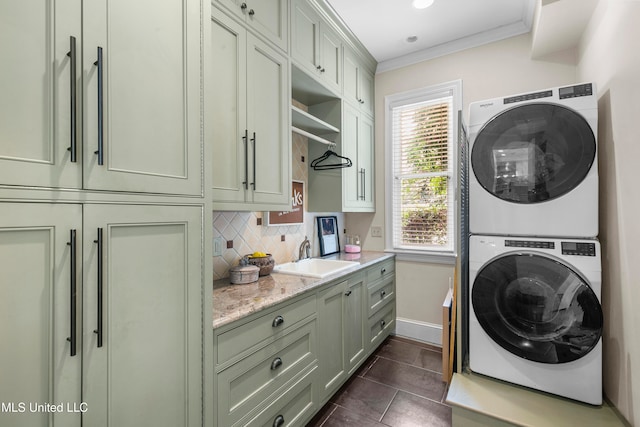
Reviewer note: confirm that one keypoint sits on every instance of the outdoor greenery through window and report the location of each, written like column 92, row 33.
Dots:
column 422, row 172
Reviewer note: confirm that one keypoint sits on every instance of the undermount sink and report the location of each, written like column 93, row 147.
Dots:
column 314, row 267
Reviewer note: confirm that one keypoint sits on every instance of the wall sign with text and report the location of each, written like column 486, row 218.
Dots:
column 296, row 215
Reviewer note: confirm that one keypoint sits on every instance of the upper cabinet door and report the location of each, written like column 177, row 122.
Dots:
column 38, row 93
column 268, row 118
column 269, row 18
column 330, row 58
column 305, row 38
column 228, row 92
column 142, row 96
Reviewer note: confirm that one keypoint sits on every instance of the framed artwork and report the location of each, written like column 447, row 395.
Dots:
column 328, row 235
column 296, row 215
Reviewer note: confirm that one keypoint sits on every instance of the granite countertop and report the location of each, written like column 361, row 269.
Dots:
column 233, row 302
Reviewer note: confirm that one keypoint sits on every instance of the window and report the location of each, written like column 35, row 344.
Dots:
column 421, row 167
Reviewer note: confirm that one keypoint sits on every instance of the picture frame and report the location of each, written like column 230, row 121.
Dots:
column 296, row 215
column 328, row 235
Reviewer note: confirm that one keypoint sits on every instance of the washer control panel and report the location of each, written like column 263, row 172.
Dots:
column 529, row 244
column 575, row 91
column 528, row 96
column 576, row 248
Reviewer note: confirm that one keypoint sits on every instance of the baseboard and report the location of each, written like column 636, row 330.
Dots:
column 419, row 331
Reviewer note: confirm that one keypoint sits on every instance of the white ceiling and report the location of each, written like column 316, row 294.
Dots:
column 447, row 26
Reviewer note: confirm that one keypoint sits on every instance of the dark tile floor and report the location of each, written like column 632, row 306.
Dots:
column 400, row 385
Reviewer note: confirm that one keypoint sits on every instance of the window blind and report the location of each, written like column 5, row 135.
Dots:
column 423, row 209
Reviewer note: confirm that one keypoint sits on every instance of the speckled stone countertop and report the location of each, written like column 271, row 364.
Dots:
column 233, row 302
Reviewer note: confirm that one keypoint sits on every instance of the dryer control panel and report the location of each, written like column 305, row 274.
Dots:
column 576, row 248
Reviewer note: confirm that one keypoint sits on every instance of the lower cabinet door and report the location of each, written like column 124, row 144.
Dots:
column 331, row 337
column 40, row 367
column 142, row 316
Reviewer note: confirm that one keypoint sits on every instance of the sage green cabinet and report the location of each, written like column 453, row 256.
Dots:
column 103, row 312
column 358, row 144
column 267, row 18
column 250, row 121
column 315, row 46
column 341, row 322
column 358, row 86
column 116, row 77
column 36, row 290
column 261, row 359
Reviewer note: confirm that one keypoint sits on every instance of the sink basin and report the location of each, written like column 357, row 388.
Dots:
column 314, row 267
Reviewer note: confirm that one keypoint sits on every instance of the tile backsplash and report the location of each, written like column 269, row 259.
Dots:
column 280, row 241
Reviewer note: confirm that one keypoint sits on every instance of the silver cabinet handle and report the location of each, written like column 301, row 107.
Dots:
column 279, row 320
column 72, row 83
column 73, row 293
column 382, row 294
column 277, row 362
column 100, row 150
column 382, row 323
column 279, row 421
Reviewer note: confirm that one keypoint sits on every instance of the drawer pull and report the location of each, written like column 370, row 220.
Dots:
column 384, row 270
column 279, row 320
column 383, row 293
column 279, row 421
column 382, row 323
column 277, row 362
column 347, row 293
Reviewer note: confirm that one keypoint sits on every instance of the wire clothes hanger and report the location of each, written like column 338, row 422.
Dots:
column 317, row 164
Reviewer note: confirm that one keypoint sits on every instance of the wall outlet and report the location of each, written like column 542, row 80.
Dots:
column 376, row 231
column 217, row 246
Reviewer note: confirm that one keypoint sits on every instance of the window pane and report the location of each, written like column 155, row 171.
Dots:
column 424, row 211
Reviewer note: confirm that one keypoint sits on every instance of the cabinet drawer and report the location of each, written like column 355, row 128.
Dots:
column 379, row 293
column 380, row 270
column 382, row 323
column 247, row 383
column 269, row 326
column 293, row 408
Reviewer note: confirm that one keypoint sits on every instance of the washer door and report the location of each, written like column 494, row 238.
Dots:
column 533, row 153
column 537, row 308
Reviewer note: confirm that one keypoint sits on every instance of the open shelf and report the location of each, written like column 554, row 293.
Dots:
column 305, row 121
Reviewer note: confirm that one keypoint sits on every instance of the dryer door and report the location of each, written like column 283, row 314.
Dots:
column 533, row 153
column 537, row 308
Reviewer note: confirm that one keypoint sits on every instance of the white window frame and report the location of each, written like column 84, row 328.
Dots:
column 426, row 254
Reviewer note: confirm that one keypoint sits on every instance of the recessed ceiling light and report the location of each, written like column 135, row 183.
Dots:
column 412, row 39
column 422, row 4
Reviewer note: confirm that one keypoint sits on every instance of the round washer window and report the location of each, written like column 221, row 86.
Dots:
column 537, row 308
column 533, row 153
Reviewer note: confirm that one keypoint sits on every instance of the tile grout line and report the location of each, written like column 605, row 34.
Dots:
column 388, row 406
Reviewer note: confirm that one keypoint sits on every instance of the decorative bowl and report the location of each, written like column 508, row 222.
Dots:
column 265, row 263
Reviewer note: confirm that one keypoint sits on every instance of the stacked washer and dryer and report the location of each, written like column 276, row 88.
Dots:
column 535, row 317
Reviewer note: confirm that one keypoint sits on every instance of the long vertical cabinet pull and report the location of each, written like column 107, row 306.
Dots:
column 253, row 140
column 73, row 294
column 72, row 84
column 245, row 139
column 362, row 184
column 99, row 319
column 100, row 150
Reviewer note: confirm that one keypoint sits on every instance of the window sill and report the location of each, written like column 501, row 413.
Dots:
column 431, row 257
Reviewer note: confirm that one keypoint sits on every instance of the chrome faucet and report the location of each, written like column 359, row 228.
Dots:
column 305, row 249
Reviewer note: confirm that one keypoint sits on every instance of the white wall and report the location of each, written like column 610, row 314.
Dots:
column 501, row 68
column 609, row 57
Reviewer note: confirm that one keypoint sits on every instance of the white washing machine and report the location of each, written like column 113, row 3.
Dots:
column 534, row 162
column 535, row 317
